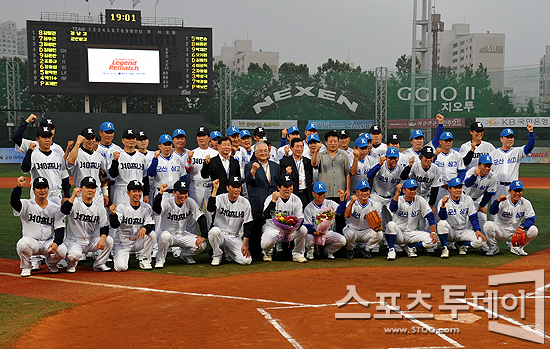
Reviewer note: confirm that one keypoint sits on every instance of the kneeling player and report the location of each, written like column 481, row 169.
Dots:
column 286, row 202
column 43, row 226
column 232, row 211
column 455, row 210
column 509, row 212
column 357, row 228
column 407, row 210
column 87, row 226
column 173, row 214
column 134, row 226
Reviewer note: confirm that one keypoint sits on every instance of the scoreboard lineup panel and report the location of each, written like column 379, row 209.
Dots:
column 59, row 64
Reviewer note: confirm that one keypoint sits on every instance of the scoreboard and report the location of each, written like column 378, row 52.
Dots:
column 119, row 57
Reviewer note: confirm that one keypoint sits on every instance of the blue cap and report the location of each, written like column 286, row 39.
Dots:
column 446, row 135
column 313, row 137
column 455, row 182
column 362, row 185
column 416, row 134
column 293, row 129
column 107, row 126
column 179, row 132
column 507, row 132
column 244, row 133
column 311, row 126
column 361, row 142
column 516, row 185
column 232, row 130
column 410, row 183
column 215, row 134
column 392, row 152
column 319, row 187
column 165, row 138
column 485, row 159
column 367, row 136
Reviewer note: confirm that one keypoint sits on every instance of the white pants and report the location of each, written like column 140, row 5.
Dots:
column 333, row 241
column 443, row 227
column 184, row 240
column 76, row 247
column 200, row 194
column 371, row 237
column 409, row 237
column 122, row 248
column 495, row 233
column 231, row 243
column 272, row 235
column 28, row 246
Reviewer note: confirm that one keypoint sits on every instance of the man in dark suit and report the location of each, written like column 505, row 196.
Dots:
column 261, row 175
column 222, row 165
column 300, row 170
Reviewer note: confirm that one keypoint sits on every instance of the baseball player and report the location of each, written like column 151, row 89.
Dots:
column 314, row 145
column 333, row 240
column 87, row 226
column 134, row 226
column 22, row 144
column 232, row 212
column 234, row 135
column 378, row 148
column 283, row 151
column 244, row 154
column 142, row 145
column 214, row 136
column 106, row 146
column 481, row 185
column 179, row 138
column 507, row 158
column 43, row 226
column 417, row 139
column 125, row 166
column 407, row 210
column 455, row 211
column 393, row 141
column 360, row 161
column 343, row 144
column 165, row 167
column 172, row 227
column 311, row 129
column 449, row 161
column 511, row 212
column 472, row 150
column 283, row 201
column 357, row 229
column 426, row 173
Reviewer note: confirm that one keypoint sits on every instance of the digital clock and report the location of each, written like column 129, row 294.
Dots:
column 126, row 17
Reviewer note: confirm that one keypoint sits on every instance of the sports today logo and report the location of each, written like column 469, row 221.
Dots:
column 505, row 307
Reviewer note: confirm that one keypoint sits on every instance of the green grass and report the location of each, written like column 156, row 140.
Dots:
column 11, row 170
column 534, row 170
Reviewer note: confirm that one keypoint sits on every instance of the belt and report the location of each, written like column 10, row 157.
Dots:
column 54, row 193
column 504, row 183
column 206, row 184
column 228, row 234
column 81, row 239
column 126, row 238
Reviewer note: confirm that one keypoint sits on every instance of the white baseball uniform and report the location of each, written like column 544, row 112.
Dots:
column 451, row 165
column 485, row 148
column 334, row 241
column 426, row 179
column 506, row 167
column 478, row 187
column 384, row 181
column 25, row 143
column 52, row 167
column 200, row 188
column 405, row 221
column 165, row 170
column 358, row 229
column 131, row 166
column 378, row 151
column 455, row 219
column 363, row 166
column 88, row 164
column 107, row 151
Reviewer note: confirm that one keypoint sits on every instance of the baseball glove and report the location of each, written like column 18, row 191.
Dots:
column 374, row 220
column 519, row 238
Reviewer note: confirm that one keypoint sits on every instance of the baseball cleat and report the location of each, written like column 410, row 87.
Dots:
column 145, row 264
column 492, row 251
column 484, row 248
column 102, row 267
column 445, row 252
column 517, row 250
column 462, row 249
column 329, row 255
column 411, row 251
column 54, row 270
column 376, row 248
column 300, row 259
column 36, row 265
column 310, row 251
column 71, row 269
column 62, row 264
column 26, row 272
column 159, row 265
column 391, row 254
column 366, row 254
column 267, row 258
column 216, row 261
column 349, row 254
column 188, row 259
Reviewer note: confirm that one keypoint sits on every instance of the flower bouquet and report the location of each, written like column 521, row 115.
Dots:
column 324, row 222
column 287, row 223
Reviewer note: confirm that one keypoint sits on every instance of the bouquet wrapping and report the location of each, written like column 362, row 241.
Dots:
column 287, row 223
column 324, row 221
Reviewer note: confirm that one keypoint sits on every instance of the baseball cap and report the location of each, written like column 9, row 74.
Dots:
column 46, row 122
column 485, row 159
column 313, row 137
column 88, row 182
column 394, row 138
column 40, row 182
column 245, row 133
column 375, row 129
column 181, row 186
column 259, row 131
column 87, row 132
column 129, row 133
column 507, row 132
column 215, row 134
column 476, row 126
column 43, row 131
column 165, row 138
column 232, row 130
column 135, row 184
column 366, row 136
column 410, row 183
column 203, row 130
column 361, row 142
column 446, row 135
column 234, row 180
column 311, row 126
column 266, row 140
column 107, row 126
column 344, row 134
column 142, row 134
column 427, row 151
column 285, row 180
column 293, row 129
column 455, row 182
column 516, row 185
column 179, row 132
column 392, row 152
column 362, row 185
column 319, row 187
column 416, row 134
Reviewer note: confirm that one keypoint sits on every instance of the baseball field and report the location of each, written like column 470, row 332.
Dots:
column 359, row 303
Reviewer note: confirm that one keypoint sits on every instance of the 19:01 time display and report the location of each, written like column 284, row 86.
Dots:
column 123, row 17
column 132, row 18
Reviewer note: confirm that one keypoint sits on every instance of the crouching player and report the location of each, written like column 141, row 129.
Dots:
column 509, row 212
column 357, row 228
column 43, row 226
column 286, row 202
column 455, row 210
column 134, row 226
column 173, row 214
column 232, row 212
column 407, row 210
column 87, row 226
